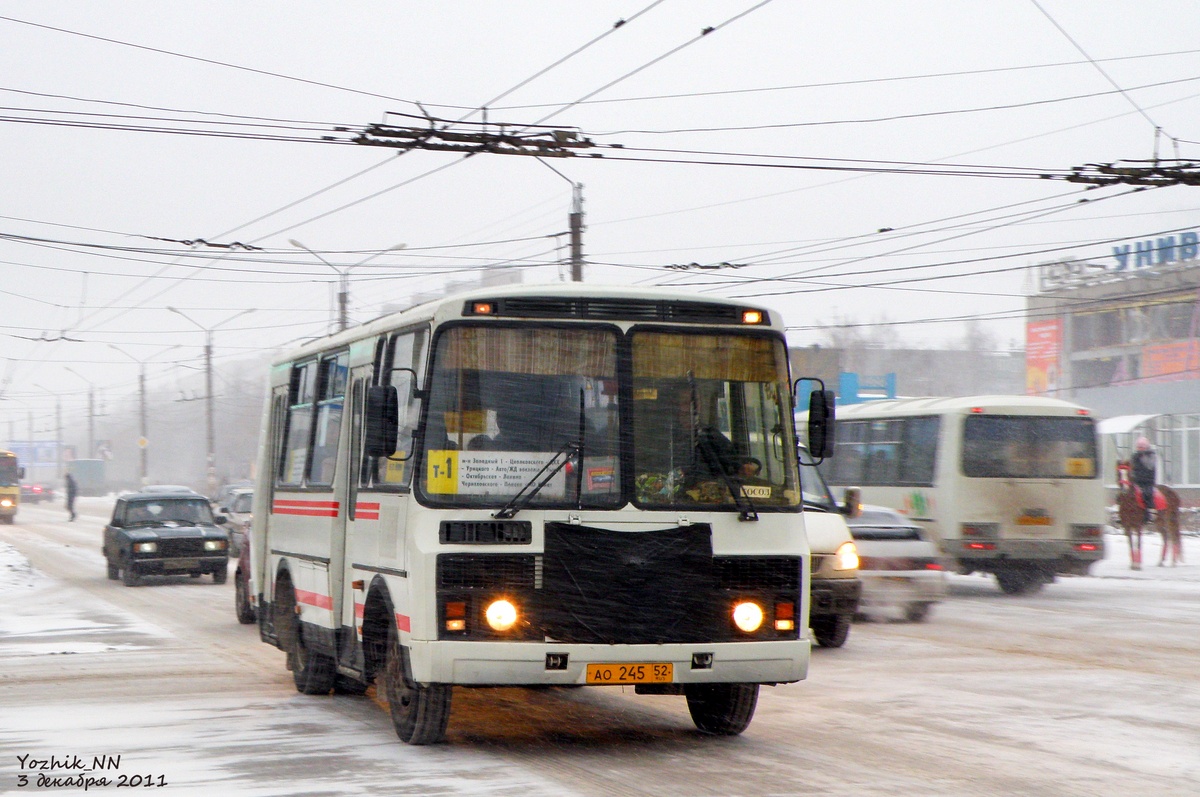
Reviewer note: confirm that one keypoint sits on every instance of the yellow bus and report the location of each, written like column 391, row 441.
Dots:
column 11, row 474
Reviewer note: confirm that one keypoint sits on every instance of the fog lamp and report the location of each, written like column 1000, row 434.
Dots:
column 501, row 615
column 748, row 616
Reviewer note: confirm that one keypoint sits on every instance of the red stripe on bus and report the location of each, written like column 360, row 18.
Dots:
column 365, row 505
column 403, row 622
column 306, row 512
column 309, row 504
column 314, row 599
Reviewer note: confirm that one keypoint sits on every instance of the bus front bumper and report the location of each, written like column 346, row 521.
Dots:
column 552, row 664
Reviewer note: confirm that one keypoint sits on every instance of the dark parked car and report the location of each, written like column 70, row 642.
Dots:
column 165, row 532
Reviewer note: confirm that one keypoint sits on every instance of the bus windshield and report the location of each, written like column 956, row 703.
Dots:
column 9, row 471
column 710, row 414
column 1023, row 446
column 505, row 402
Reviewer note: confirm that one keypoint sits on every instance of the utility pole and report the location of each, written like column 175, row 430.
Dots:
column 143, row 420
column 91, row 452
column 576, row 227
column 210, row 437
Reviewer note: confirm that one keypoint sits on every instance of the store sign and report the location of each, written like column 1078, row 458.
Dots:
column 1181, row 249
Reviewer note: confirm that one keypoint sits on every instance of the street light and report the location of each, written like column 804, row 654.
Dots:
column 91, row 412
column 143, row 431
column 344, row 278
column 208, row 391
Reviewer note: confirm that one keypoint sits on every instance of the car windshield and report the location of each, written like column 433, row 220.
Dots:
column 241, row 503
column 189, row 511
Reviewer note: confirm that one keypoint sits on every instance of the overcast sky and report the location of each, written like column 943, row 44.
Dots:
column 1010, row 88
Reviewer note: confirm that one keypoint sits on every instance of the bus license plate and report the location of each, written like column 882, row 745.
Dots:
column 643, row 673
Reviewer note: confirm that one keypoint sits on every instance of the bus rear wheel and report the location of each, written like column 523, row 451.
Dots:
column 722, row 709
column 1019, row 582
column 419, row 713
column 312, row 672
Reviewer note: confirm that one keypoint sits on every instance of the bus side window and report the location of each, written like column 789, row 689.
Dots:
column 293, row 457
column 332, row 393
column 405, row 357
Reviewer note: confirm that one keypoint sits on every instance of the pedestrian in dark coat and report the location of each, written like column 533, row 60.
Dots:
column 72, row 489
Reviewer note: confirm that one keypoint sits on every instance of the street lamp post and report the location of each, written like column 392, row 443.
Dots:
column 344, row 278
column 143, row 421
column 210, row 436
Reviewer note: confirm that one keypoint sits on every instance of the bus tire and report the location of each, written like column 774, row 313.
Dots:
column 241, row 600
column 312, row 672
column 831, row 631
column 419, row 713
column 721, row 709
column 345, row 685
column 1019, row 582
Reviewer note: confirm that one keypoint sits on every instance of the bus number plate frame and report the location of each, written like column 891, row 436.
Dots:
column 631, row 673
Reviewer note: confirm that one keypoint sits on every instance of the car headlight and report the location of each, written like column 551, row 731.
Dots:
column 145, row 547
column 215, row 545
column 846, row 557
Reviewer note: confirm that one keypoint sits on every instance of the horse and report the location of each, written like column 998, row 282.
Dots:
column 1131, row 512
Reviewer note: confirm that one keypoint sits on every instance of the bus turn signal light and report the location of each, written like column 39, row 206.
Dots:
column 456, row 616
column 785, row 617
column 752, row 316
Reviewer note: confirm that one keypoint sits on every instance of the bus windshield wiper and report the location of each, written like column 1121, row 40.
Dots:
column 522, row 498
column 744, row 504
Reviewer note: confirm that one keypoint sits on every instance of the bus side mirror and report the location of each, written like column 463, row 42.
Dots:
column 852, row 502
column 820, row 423
column 382, row 420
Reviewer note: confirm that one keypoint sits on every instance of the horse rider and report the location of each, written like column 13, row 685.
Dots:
column 1143, row 465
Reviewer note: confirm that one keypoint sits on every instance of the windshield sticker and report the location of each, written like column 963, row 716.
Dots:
column 499, row 473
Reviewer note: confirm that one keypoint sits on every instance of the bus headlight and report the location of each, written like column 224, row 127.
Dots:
column 501, row 615
column 748, row 616
column 846, row 557
column 6, row 502
column 145, row 547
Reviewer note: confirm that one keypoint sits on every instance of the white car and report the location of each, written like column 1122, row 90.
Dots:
column 237, row 508
column 899, row 566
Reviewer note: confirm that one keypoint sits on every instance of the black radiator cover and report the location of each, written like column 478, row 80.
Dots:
column 620, row 587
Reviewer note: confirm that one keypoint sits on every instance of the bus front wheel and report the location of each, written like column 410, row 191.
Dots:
column 419, row 713
column 722, row 709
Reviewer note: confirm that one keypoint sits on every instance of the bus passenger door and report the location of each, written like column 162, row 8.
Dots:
column 362, row 526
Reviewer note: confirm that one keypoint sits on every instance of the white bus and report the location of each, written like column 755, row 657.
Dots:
column 528, row 486
column 1009, row 485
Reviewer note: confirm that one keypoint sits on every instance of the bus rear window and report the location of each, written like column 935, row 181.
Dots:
column 1024, row 446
